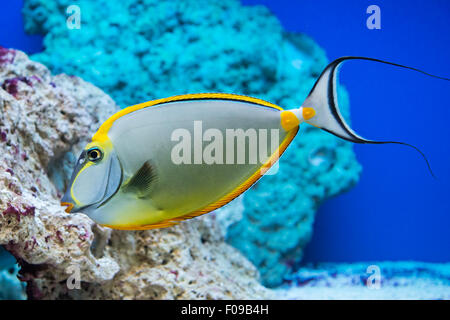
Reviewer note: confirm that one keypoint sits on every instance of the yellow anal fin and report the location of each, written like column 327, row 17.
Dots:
column 159, row 225
column 190, row 215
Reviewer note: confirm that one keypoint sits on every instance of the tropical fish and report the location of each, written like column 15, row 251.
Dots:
column 155, row 164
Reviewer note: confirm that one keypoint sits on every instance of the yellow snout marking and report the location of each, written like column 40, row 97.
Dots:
column 308, row 113
column 68, row 205
column 289, row 120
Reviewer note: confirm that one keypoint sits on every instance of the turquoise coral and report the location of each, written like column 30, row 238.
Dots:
column 6, row 259
column 10, row 287
column 279, row 211
column 176, row 47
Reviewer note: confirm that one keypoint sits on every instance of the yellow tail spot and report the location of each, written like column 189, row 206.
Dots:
column 308, row 113
column 289, row 120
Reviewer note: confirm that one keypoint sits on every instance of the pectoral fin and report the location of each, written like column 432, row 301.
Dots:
column 142, row 181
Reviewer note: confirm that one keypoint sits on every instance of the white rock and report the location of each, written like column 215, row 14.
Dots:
column 44, row 122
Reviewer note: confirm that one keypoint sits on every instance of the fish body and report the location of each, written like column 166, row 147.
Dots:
column 140, row 139
column 155, row 164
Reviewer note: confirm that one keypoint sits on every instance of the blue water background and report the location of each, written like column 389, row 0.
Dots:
column 12, row 34
column 397, row 211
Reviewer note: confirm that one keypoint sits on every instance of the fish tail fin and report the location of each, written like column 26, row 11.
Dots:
column 327, row 116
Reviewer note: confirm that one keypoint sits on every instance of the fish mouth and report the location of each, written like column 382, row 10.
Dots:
column 68, row 205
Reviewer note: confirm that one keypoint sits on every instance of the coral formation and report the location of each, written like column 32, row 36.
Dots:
column 10, row 287
column 44, row 119
column 397, row 280
column 187, row 46
column 6, row 259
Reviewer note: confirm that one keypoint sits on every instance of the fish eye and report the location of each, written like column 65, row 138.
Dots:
column 94, row 154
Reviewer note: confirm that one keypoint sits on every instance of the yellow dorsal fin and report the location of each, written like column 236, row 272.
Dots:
column 102, row 132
